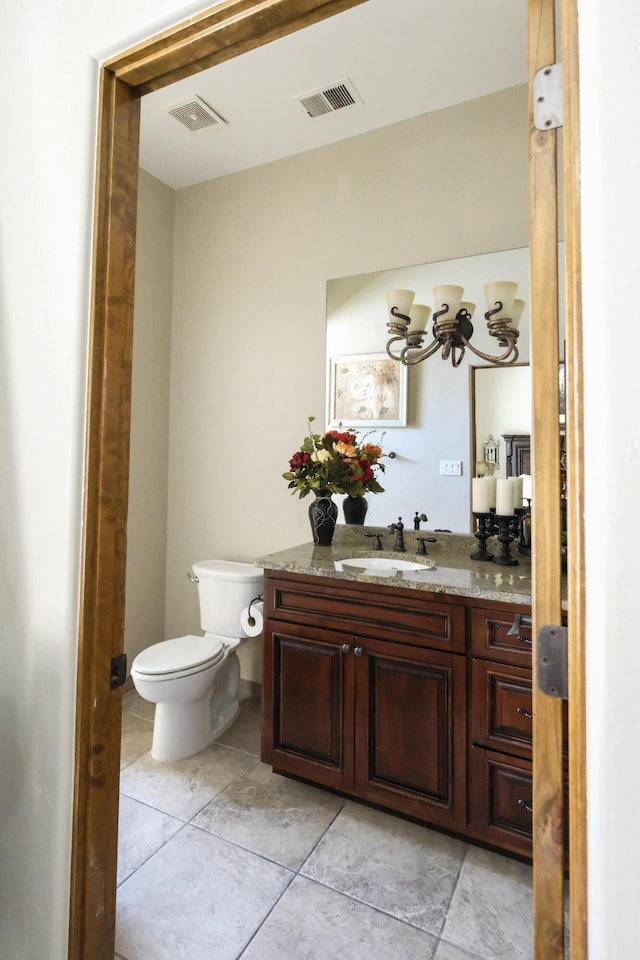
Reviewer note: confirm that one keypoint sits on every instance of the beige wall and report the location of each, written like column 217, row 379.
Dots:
column 252, row 256
column 147, row 523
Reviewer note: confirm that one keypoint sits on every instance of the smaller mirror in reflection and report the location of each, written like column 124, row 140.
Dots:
column 367, row 390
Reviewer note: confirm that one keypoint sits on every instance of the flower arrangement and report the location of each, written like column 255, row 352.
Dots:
column 335, row 461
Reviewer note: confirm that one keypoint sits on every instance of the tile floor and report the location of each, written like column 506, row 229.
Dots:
column 221, row 858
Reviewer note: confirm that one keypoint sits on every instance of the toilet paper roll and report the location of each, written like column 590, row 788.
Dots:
column 252, row 619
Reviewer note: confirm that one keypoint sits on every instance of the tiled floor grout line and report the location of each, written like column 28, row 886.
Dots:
column 162, row 845
column 453, row 893
column 296, row 873
column 265, row 918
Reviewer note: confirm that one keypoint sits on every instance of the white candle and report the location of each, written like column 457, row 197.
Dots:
column 517, row 491
column 480, row 495
column 526, row 486
column 504, row 497
column 492, row 490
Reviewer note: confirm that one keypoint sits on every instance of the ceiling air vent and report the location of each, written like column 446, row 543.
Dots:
column 330, row 98
column 195, row 114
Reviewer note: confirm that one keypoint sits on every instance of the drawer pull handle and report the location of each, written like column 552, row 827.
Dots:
column 521, row 620
column 524, row 713
column 527, row 806
column 346, row 648
column 358, row 651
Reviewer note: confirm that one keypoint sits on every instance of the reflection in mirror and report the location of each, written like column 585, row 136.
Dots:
column 501, row 405
column 438, row 427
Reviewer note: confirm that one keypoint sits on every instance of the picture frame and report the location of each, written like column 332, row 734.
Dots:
column 367, row 390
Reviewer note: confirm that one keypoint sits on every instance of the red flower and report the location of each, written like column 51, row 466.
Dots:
column 344, row 436
column 367, row 471
column 298, row 460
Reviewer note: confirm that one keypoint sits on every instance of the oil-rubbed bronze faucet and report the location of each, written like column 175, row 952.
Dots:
column 398, row 529
column 418, row 517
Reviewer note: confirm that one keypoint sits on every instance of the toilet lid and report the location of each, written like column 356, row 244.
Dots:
column 181, row 653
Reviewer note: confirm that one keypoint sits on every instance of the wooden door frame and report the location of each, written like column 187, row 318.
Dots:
column 574, row 433
column 209, row 38
column 213, row 36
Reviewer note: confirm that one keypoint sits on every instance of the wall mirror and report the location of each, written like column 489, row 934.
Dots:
column 441, row 400
column 500, row 407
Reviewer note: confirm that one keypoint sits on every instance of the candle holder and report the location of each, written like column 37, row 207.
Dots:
column 507, row 527
column 486, row 528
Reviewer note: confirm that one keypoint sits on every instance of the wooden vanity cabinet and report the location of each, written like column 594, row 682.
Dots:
column 415, row 701
column 373, row 702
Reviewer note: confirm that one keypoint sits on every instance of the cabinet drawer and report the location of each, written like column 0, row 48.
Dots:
column 500, row 800
column 362, row 608
column 490, row 636
column 501, row 707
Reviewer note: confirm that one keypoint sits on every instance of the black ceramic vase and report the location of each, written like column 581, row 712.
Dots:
column 323, row 514
column 355, row 509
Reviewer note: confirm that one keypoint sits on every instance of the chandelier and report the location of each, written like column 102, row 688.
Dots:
column 452, row 328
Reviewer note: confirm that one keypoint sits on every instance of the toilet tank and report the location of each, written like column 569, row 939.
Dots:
column 225, row 587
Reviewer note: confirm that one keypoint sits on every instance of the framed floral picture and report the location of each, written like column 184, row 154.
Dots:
column 367, row 390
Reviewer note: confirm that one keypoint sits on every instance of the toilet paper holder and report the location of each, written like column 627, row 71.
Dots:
column 251, row 620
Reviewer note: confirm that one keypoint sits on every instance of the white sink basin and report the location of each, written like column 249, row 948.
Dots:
column 383, row 566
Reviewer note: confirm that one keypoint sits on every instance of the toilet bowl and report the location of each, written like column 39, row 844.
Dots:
column 194, row 680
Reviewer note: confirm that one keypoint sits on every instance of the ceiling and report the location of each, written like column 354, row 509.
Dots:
column 404, row 58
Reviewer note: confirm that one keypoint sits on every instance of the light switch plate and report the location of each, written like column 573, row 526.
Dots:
column 451, row 468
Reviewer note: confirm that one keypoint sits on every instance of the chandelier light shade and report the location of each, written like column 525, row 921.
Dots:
column 452, row 328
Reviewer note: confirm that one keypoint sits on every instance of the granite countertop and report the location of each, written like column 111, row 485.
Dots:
column 448, row 567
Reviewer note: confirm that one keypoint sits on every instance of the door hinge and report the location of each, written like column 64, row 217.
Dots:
column 553, row 672
column 118, row 671
column 547, row 97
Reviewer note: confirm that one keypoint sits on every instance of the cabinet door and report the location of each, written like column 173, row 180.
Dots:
column 308, row 703
column 410, row 730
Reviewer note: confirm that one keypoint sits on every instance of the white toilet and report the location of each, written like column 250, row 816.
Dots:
column 194, row 680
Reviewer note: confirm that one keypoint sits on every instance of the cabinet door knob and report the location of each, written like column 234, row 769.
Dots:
column 346, row 648
column 358, row 651
column 527, row 806
column 524, row 713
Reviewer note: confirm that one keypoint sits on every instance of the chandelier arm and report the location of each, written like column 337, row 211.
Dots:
column 504, row 359
column 410, row 359
column 390, row 343
column 456, row 359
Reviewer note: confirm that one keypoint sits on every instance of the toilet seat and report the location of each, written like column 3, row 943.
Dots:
column 179, row 657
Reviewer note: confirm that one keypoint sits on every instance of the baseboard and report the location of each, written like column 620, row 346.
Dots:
column 250, row 690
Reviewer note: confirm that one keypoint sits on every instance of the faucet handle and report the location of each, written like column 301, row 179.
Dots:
column 422, row 550
column 377, row 543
